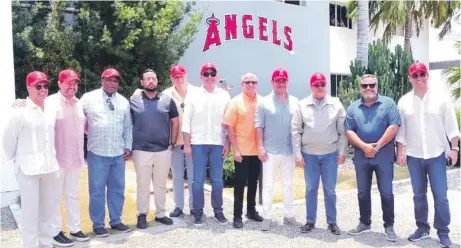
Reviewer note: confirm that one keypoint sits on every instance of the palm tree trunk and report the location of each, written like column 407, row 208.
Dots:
column 408, row 27
column 363, row 23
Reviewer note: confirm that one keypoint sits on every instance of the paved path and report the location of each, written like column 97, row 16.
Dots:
column 184, row 234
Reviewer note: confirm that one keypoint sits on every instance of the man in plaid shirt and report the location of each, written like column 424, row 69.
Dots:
column 109, row 145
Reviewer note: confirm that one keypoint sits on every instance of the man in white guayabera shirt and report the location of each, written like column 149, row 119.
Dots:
column 427, row 121
column 28, row 142
column 205, row 140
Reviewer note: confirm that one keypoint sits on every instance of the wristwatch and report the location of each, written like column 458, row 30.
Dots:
column 455, row 148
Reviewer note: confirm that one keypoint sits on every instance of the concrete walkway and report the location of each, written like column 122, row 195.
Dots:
column 184, row 234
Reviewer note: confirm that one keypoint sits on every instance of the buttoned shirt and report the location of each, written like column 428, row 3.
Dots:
column 427, row 124
column 240, row 115
column 180, row 104
column 109, row 129
column 370, row 123
column 273, row 116
column 203, row 115
column 69, row 130
column 317, row 127
column 28, row 140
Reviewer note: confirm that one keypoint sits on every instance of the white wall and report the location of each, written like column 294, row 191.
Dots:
column 7, row 94
column 310, row 35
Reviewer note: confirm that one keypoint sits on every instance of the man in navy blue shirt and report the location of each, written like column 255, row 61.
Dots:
column 155, row 130
column 371, row 125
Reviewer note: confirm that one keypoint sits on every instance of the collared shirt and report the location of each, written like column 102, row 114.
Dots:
column 28, row 140
column 317, row 127
column 151, row 121
column 203, row 116
column 370, row 123
column 274, row 117
column 426, row 124
column 69, row 130
column 240, row 115
column 109, row 131
column 180, row 104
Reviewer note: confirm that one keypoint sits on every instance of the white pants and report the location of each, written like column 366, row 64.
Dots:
column 38, row 207
column 68, row 189
column 287, row 164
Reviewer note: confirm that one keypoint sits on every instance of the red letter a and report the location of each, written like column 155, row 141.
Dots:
column 212, row 36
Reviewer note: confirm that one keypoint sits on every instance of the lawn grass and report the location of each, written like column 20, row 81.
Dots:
column 346, row 181
column 128, row 215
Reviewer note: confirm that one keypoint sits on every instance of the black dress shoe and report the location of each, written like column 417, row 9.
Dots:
column 308, row 227
column 254, row 215
column 238, row 223
column 164, row 220
column 334, row 229
column 142, row 222
column 121, row 227
column 176, row 212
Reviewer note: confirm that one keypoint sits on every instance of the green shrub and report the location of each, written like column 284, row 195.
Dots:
column 229, row 170
column 391, row 69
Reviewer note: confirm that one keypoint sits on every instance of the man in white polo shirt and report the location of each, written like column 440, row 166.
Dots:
column 28, row 143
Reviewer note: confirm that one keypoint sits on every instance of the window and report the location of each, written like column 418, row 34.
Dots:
column 335, row 80
column 290, row 2
column 338, row 16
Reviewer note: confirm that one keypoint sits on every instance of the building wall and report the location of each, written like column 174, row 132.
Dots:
column 7, row 94
column 310, row 36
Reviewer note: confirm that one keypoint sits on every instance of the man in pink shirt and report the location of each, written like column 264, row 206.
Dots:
column 69, row 128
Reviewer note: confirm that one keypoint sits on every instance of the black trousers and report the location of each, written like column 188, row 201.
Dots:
column 248, row 169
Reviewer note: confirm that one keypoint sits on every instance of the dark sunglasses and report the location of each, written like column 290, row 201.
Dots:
column 371, row 86
column 419, row 75
column 250, row 82
column 207, row 74
column 39, row 86
column 321, row 85
column 111, row 106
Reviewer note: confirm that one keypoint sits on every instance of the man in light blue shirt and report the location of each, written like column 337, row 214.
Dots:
column 109, row 145
column 273, row 132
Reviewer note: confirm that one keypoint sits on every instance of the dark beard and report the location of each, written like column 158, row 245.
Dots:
column 150, row 90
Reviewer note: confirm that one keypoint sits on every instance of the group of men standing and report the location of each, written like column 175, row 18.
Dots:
column 194, row 127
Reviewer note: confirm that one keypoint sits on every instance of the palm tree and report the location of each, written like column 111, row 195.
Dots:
column 409, row 14
column 362, row 32
column 453, row 76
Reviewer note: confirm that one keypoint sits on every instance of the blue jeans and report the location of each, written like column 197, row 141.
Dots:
column 326, row 167
column 202, row 155
column 384, row 175
column 102, row 172
column 435, row 168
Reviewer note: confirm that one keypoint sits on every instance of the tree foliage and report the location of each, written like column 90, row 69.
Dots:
column 453, row 75
column 391, row 69
column 128, row 35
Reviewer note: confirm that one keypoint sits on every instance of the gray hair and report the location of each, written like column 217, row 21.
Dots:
column 249, row 75
column 369, row 76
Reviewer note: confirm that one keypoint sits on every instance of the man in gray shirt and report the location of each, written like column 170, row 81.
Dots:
column 273, row 132
column 155, row 130
column 320, row 144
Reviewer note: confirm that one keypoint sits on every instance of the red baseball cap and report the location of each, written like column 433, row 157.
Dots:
column 417, row 67
column 177, row 70
column 36, row 77
column 206, row 67
column 68, row 75
column 111, row 72
column 317, row 77
column 279, row 73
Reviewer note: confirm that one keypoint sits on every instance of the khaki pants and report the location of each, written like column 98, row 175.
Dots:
column 68, row 189
column 153, row 166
